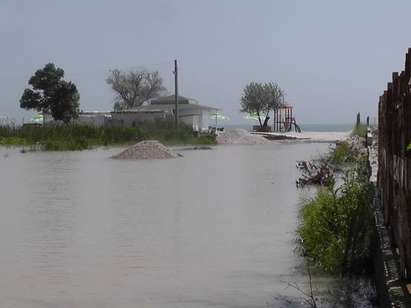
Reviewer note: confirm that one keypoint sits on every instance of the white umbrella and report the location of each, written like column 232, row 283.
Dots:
column 218, row 116
column 37, row 118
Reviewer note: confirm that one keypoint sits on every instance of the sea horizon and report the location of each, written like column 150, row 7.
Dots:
column 309, row 127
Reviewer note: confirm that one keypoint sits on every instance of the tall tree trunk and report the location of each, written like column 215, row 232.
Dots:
column 266, row 120
column 259, row 119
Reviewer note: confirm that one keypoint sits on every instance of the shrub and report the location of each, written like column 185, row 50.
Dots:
column 360, row 130
column 336, row 228
column 341, row 154
column 79, row 137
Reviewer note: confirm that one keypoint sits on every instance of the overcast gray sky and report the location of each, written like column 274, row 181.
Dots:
column 333, row 58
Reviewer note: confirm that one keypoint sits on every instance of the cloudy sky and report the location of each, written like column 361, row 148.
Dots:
column 333, row 58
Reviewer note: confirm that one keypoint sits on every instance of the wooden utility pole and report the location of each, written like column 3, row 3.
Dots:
column 176, row 93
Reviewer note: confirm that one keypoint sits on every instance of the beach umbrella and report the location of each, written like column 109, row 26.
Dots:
column 218, row 116
column 37, row 118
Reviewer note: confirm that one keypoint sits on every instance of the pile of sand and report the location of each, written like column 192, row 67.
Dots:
column 240, row 136
column 150, row 149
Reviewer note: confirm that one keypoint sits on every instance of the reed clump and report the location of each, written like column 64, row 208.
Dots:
column 79, row 137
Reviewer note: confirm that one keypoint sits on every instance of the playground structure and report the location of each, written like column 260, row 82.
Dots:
column 284, row 120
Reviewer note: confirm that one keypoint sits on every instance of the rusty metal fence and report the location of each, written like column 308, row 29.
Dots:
column 394, row 171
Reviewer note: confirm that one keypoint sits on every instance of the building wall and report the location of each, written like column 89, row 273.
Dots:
column 197, row 118
column 133, row 118
column 192, row 121
column 92, row 119
column 86, row 118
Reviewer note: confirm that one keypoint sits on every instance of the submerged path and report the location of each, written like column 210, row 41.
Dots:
column 211, row 229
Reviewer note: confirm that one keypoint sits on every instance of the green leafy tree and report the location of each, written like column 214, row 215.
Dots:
column 49, row 93
column 260, row 99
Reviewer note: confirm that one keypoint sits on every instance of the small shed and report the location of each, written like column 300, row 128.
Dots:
column 190, row 111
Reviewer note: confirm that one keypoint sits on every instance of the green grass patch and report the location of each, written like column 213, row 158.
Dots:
column 336, row 227
column 360, row 131
column 342, row 154
column 80, row 137
column 12, row 141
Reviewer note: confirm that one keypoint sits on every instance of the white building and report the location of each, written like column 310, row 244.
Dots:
column 190, row 112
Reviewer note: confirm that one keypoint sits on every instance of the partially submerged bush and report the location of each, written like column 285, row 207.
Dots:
column 336, row 229
column 347, row 152
column 341, row 154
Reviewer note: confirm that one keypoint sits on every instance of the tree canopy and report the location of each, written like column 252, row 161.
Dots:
column 49, row 93
column 134, row 87
column 260, row 99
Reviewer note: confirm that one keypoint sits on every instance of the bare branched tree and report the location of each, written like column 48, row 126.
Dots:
column 134, row 87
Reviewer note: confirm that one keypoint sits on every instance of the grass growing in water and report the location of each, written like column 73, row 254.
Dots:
column 341, row 154
column 80, row 137
column 360, row 130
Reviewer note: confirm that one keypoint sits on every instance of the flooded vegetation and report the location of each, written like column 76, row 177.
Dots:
column 337, row 231
column 74, row 137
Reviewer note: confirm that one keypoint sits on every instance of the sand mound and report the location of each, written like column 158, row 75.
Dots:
column 150, row 149
column 240, row 136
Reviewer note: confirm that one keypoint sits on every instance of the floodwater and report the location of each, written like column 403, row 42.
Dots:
column 214, row 228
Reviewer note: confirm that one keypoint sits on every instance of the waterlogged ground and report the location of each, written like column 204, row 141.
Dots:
column 214, row 228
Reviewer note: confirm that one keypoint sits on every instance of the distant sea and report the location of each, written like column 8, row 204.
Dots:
column 307, row 127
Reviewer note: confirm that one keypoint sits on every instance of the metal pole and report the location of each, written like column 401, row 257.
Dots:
column 176, row 93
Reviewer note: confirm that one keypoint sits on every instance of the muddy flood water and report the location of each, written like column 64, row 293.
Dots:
column 214, row 228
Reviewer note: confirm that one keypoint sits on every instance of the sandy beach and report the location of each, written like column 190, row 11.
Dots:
column 309, row 136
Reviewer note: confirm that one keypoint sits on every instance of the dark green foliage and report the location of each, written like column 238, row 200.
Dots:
column 79, row 137
column 49, row 93
column 336, row 229
column 409, row 147
column 65, row 105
